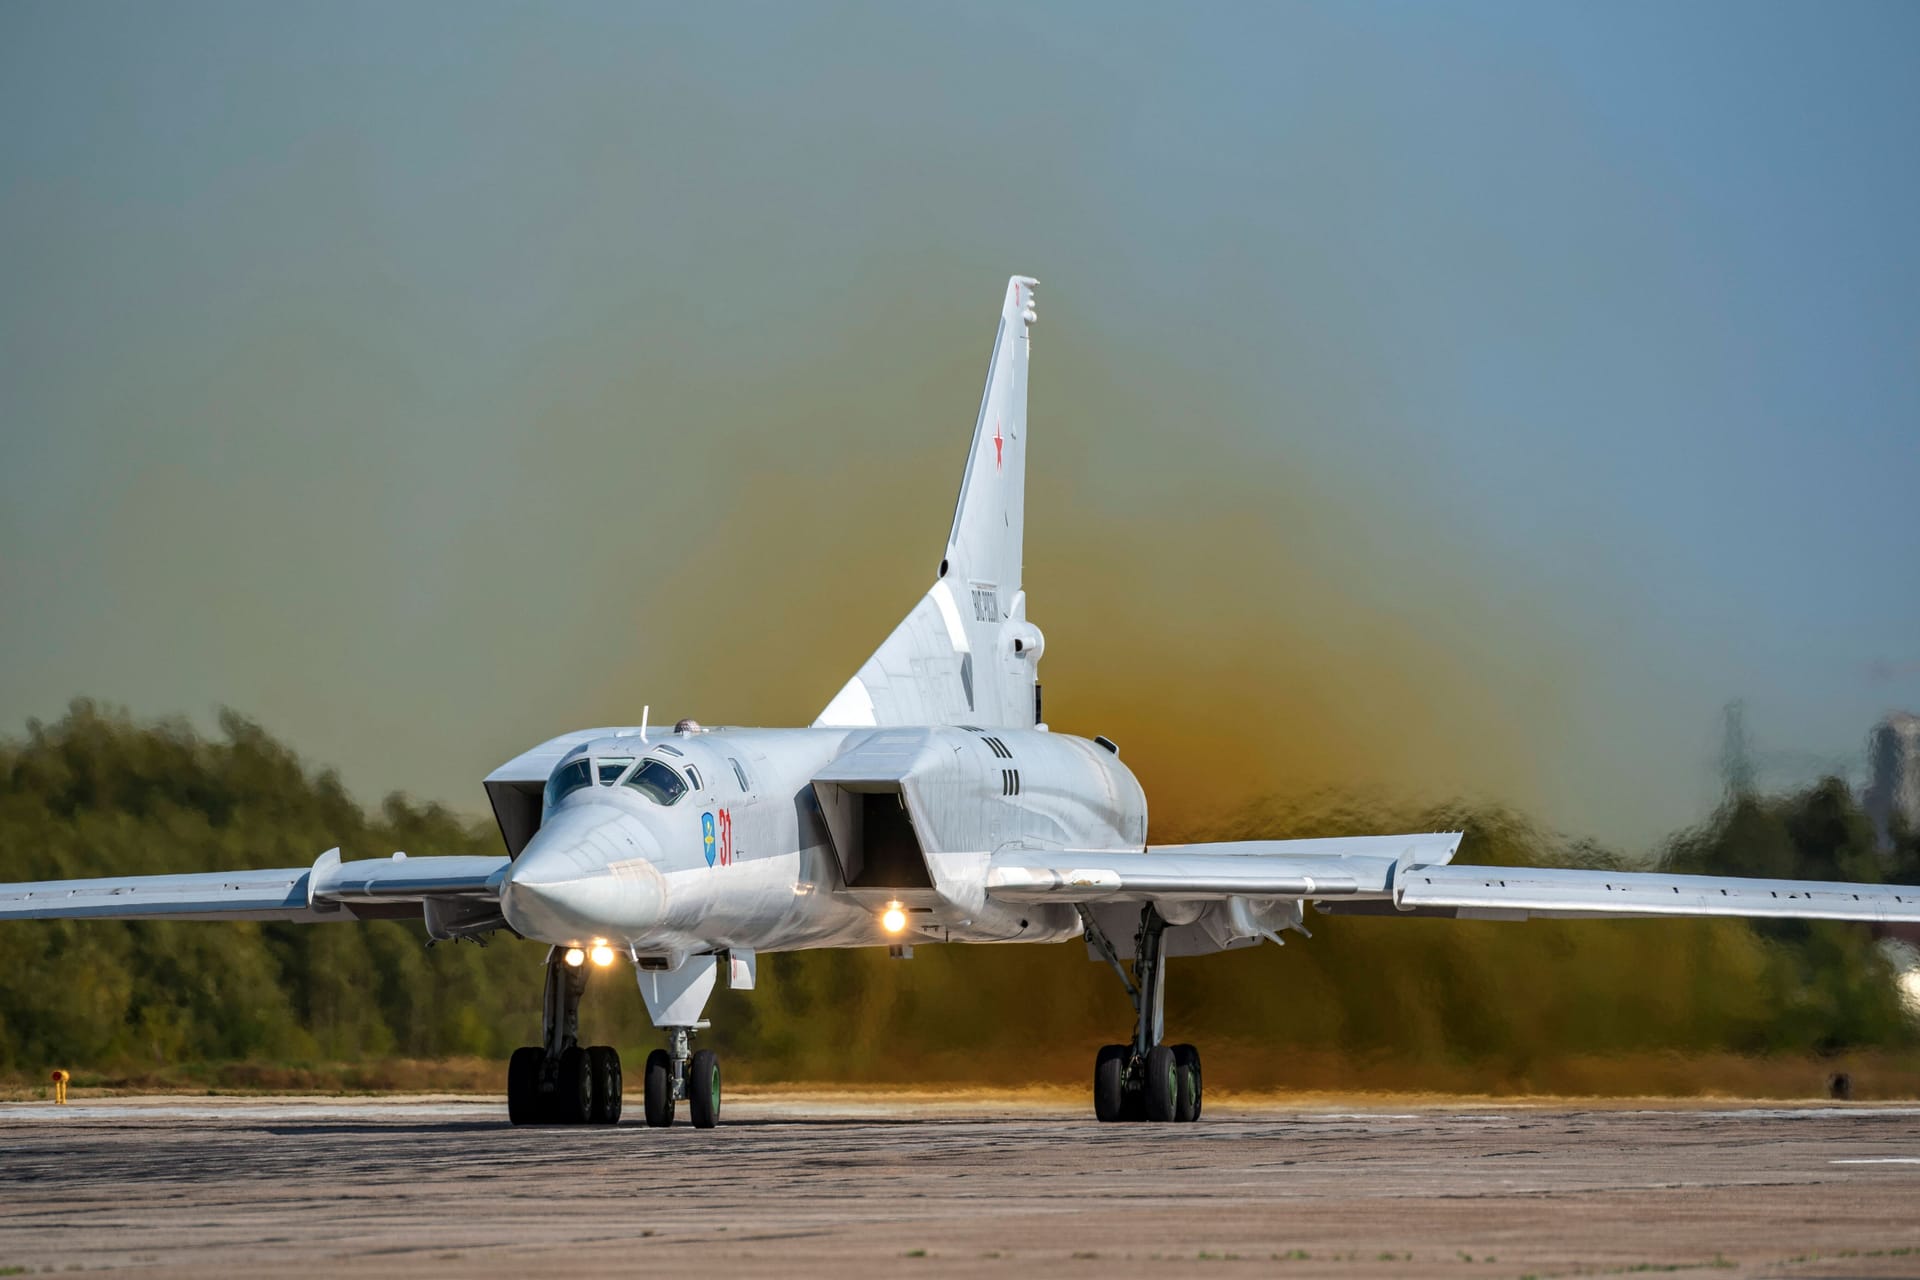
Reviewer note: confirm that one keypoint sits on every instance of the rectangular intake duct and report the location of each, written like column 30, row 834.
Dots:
column 865, row 798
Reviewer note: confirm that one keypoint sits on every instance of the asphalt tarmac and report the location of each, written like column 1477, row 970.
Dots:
column 839, row 1186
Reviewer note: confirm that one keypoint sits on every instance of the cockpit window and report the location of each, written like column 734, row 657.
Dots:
column 569, row 778
column 611, row 767
column 657, row 782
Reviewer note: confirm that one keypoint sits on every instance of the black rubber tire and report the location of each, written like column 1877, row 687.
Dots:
column 572, row 1097
column 523, row 1085
column 1160, row 1084
column 659, row 1089
column 1187, row 1059
column 1110, row 1082
column 603, row 1065
column 703, row 1089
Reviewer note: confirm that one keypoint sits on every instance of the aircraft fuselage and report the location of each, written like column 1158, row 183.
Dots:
column 785, row 839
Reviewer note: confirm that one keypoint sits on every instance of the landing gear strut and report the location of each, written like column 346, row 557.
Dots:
column 677, row 1073
column 1145, row 1080
column 559, row 1081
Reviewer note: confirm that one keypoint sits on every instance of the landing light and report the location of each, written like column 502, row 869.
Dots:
column 602, row 954
column 893, row 919
column 575, row 957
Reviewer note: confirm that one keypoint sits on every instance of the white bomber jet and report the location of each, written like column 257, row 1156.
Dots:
column 929, row 802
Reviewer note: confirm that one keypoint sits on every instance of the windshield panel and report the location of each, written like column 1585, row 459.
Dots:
column 567, row 779
column 657, row 782
column 611, row 767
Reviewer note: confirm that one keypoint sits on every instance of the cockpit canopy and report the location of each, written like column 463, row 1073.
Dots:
column 654, row 779
column 657, row 782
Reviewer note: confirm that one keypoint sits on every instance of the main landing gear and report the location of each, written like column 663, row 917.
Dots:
column 560, row 1082
column 1145, row 1080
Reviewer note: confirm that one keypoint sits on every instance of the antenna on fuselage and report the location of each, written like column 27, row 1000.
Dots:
column 644, row 712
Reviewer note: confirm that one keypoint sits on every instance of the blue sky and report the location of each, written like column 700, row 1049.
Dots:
column 420, row 379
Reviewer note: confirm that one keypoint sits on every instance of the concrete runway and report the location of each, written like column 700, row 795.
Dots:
column 834, row 1186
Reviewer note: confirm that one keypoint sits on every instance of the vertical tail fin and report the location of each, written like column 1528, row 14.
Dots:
column 984, row 549
column 966, row 653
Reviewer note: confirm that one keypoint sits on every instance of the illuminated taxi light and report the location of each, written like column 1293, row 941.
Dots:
column 602, row 954
column 575, row 957
column 893, row 919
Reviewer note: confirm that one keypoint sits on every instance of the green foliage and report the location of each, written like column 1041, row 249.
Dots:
column 97, row 794
column 1826, row 983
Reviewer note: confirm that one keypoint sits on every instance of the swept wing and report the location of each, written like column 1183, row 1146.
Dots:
column 1336, row 867
column 328, row 890
column 1413, row 875
column 1519, row 893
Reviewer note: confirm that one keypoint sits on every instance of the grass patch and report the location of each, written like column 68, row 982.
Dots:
column 1719, row 1262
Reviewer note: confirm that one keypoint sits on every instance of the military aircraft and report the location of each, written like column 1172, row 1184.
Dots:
column 929, row 802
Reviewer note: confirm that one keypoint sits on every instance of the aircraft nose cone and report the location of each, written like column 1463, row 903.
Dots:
column 586, row 874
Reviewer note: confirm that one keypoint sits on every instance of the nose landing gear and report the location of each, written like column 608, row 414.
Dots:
column 675, row 1073
column 1145, row 1080
column 559, row 1081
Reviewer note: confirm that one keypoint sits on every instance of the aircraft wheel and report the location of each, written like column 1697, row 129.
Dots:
column 1186, row 1060
column 703, row 1089
column 1133, row 1109
column 1110, row 1082
column 1161, row 1084
column 523, row 1085
column 659, row 1089
column 573, row 1088
column 603, row 1066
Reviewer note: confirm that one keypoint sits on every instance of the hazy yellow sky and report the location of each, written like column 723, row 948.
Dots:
column 1424, row 401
